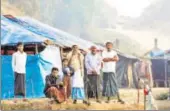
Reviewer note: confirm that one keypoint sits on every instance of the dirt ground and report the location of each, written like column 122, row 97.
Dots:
column 128, row 95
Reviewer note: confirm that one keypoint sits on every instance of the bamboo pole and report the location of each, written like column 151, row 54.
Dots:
column 36, row 49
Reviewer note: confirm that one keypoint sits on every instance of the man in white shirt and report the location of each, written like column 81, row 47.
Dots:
column 93, row 66
column 19, row 67
column 110, row 87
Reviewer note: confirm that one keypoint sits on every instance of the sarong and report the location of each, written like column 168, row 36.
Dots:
column 110, row 87
column 19, row 84
column 93, row 86
column 56, row 93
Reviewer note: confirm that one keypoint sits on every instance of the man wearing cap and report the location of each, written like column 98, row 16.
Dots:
column 110, row 87
column 93, row 66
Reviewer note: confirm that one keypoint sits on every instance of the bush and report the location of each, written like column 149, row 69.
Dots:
column 163, row 96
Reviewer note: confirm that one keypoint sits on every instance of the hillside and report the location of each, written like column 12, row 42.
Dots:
column 91, row 20
column 153, row 23
column 6, row 8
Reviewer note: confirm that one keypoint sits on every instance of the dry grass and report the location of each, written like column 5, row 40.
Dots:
column 43, row 104
column 128, row 95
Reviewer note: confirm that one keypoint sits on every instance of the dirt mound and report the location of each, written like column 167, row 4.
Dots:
column 44, row 104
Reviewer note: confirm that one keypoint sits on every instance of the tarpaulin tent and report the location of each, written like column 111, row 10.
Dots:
column 160, row 66
column 124, row 77
column 60, row 37
column 12, row 33
column 14, row 30
column 161, row 70
column 37, row 67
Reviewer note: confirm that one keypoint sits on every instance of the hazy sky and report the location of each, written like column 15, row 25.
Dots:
column 132, row 8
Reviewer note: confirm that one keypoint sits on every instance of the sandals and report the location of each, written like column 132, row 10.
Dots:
column 98, row 101
column 121, row 101
column 75, row 101
column 85, row 102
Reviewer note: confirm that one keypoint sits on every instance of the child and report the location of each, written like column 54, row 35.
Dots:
column 68, row 72
column 149, row 101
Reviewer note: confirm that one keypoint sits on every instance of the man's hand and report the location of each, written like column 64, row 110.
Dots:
column 94, row 72
column 115, row 58
column 106, row 59
column 61, row 83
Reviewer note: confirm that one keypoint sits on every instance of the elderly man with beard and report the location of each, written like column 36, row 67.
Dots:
column 93, row 66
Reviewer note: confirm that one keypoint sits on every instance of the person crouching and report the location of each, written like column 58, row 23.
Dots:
column 54, row 86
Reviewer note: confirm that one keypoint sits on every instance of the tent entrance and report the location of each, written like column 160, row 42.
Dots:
column 30, row 49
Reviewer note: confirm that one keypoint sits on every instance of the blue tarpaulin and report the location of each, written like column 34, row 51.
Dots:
column 12, row 33
column 14, row 30
column 158, row 68
column 39, row 29
column 38, row 66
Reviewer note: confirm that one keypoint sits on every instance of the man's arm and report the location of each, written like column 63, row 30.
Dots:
column 26, row 59
column 104, row 58
column 115, row 58
column 47, row 81
column 69, row 56
column 99, row 63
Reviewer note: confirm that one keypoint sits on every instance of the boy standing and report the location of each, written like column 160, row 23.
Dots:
column 19, row 67
column 68, row 72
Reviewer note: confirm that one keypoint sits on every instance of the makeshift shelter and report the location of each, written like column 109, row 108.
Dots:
column 39, row 64
column 160, row 65
column 161, row 68
column 41, row 58
column 61, row 38
column 124, row 70
column 143, row 70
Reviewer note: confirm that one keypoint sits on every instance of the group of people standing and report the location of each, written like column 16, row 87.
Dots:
column 73, row 83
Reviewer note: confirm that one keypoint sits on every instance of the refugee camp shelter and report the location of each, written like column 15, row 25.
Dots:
column 160, row 64
column 41, row 56
column 44, row 46
column 126, row 77
column 161, row 69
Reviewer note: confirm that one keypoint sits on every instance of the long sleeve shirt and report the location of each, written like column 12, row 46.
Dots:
column 93, row 63
column 19, row 62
